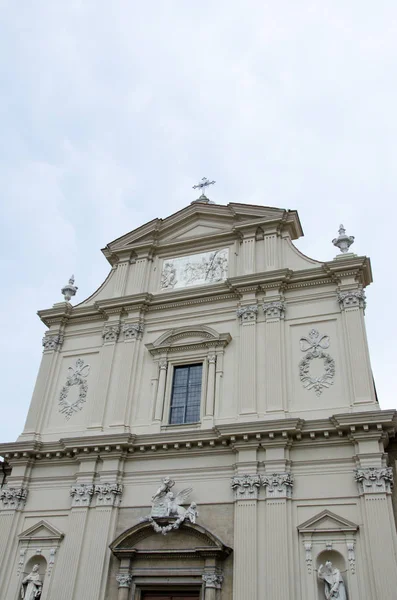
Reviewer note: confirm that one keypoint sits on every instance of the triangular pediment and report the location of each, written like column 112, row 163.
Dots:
column 327, row 522
column 198, row 221
column 41, row 531
column 198, row 229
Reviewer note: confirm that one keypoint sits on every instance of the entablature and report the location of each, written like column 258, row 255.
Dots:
column 219, row 438
column 233, row 287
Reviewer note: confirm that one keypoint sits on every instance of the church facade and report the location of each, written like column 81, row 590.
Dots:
column 205, row 425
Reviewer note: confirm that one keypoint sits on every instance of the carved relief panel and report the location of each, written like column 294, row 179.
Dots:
column 195, row 269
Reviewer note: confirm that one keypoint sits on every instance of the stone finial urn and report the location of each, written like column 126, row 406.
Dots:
column 343, row 241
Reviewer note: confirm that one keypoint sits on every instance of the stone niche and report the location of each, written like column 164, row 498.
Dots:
column 328, row 537
column 38, row 545
column 190, row 559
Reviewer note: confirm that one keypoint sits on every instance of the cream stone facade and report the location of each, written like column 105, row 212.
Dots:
column 276, row 467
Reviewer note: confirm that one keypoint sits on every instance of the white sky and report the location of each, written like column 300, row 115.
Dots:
column 111, row 111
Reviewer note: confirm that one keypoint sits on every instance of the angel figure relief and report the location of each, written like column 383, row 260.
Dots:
column 165, row 504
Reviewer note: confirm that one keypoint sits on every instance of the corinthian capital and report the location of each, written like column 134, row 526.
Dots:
column 52, row 342
column 278, row 485
column 273, row 310
column 132, row 331
column 352, row 299
column 13, row 498
column 108, row 494
column 124, row 580
column 111, row 333
column 372, row 480
column 213, row 579
column 247, row 314
column 81, row 494
column 246, row 487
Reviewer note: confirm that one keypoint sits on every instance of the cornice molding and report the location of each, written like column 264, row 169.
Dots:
column 343, row 428
column 232, row 288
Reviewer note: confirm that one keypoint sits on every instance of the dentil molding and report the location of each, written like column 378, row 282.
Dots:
column 246, row 487
column 247, row 314
column 81, row 494
column 108, row 494
column 14, row 498
column 352, row 299
column 372, row 480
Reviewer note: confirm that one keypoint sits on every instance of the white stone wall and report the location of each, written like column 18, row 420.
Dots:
column 271, row 462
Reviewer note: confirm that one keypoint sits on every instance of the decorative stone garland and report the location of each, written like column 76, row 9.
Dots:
column 76, row 376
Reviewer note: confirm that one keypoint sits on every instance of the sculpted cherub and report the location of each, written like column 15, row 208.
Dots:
column 167, row 484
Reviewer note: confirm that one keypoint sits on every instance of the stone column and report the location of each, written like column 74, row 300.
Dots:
column 270, row 252
column 158, row 413
column 64, row 583
column 352, row 304
column 65, row 576
column 95, row 558
column 245, row 553
column 126, row 370
column 13, row 498
column 121, row 278
column 110, row 335
column 274, row 355
column 52, row 343
column 247, row 362
column 209, row 409
column 12, row 503
column 374, row 487
column 140, row 273
column 248, row 253
column 124, row 581
column 213, row 579
column 278, row 491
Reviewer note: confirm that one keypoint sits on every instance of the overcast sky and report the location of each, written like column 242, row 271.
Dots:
column 111, row 111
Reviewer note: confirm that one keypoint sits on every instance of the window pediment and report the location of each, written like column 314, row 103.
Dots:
column 185, row 338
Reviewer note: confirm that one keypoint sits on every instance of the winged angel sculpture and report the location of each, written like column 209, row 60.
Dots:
column 166, row 505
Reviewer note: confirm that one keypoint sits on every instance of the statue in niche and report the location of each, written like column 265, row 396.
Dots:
column 32, row 585
column 333, row 582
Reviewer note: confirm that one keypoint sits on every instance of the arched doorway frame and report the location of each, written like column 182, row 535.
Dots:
column 199, row 565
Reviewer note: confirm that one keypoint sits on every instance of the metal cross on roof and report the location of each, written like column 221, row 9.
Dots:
column 203, row 184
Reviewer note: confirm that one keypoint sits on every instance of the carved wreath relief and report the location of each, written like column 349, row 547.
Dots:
column 313, row 345
column 76, row 376
column 196, row 269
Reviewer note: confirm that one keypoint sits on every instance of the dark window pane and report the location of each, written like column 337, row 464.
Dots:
column 186, row 394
